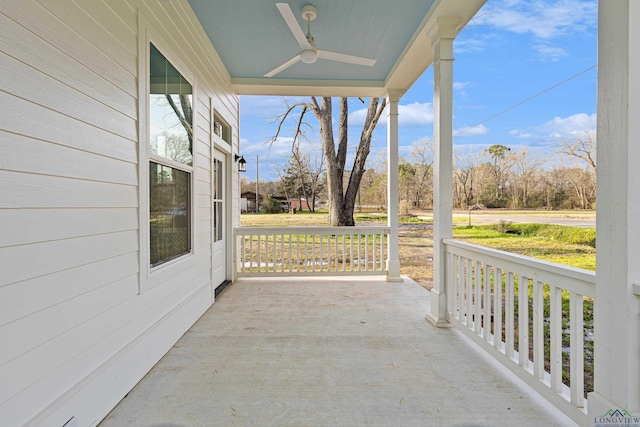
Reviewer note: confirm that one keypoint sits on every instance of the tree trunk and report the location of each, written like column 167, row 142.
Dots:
column 335, row 162
column 341, row 200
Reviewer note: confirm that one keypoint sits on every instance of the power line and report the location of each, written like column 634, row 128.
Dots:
column 528, row 99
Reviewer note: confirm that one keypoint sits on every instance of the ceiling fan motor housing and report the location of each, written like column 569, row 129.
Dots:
column 308, row 56
column 309, row 12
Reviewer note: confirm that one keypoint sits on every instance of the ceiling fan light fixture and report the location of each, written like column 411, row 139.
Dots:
column 308, row 56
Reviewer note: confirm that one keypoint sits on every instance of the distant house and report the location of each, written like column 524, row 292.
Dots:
column 299, row 204
column 248, row 201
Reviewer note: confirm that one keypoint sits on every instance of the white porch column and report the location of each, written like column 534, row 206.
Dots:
column 617, row 300
column 393, row 259
column 443, row 161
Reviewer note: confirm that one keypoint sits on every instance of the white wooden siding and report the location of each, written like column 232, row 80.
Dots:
column 75, row 332
column 23, row 117
column 32, row 49
column 72, row 46
column 32, row 84
column 49, row 290
column 46, row 158
column 22, row 190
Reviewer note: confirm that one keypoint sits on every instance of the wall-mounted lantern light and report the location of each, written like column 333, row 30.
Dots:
column 242, row 163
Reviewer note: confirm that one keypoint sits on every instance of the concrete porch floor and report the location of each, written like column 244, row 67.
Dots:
column 354, row 352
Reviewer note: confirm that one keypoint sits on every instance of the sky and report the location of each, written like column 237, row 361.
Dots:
column 543, row 52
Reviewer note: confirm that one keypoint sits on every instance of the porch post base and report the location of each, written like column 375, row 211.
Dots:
column 437, row 315
column 393, row 271
column 438, row 323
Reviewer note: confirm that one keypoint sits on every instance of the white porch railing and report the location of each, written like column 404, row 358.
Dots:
column 488, row 290
column 306, row 251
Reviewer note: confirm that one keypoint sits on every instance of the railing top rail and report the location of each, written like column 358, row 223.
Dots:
column 361, row 229
column 500, row 258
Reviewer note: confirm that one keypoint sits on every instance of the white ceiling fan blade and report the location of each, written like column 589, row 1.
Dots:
column 283, row 67
column 292, row 22
column 340, row 57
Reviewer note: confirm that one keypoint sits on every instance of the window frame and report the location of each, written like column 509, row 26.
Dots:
column 150, row 276
column 219, row 184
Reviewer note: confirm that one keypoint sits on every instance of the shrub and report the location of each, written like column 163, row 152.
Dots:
column 503, row 226
column 560, row 233
column 270, row 205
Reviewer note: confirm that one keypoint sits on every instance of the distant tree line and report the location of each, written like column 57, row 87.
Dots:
column 496, row 177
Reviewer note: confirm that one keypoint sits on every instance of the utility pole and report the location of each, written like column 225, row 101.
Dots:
column 257, row 198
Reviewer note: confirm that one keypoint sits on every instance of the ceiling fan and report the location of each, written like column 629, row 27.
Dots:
column 309, row 53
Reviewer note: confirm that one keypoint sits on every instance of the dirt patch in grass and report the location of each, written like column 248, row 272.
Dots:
column 415, row 250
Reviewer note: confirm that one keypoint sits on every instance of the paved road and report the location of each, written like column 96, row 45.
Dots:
column 568, row 220
column 571, row 219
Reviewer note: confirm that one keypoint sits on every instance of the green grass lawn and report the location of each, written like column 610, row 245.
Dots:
column 319, row 218
column 571, row 246
column 300, row 219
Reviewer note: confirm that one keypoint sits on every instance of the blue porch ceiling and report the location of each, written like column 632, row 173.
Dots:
column 252, row 38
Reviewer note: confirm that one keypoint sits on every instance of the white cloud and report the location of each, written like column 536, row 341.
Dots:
column 404, row 151
column 544, row 19
column 569, row 127
column 471, row 131
column 478, row 42
column 266, row 107
column 358, row 116
column 558, row 129
column 416, row 114
column 462, row 45
column 520, row 134
column 280, row 148
column 459, row 88
column 549, row 53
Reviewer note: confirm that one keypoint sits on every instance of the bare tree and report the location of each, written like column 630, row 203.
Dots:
column 184, row 114
column 406, row 182
column 341, row 199
column 283, row 182
column 302, row 175
column 373, row 188
column 583, row 184
column 422, row 154
column 582, row 148
column 175, row 147
column 554, row 187
column 501, row 162
column 526, row 173
column 465, row 170
column 580, row 153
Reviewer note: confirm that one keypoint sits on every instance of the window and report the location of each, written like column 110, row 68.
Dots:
column 221, row 128
column 170, row 160
column 218, row 223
